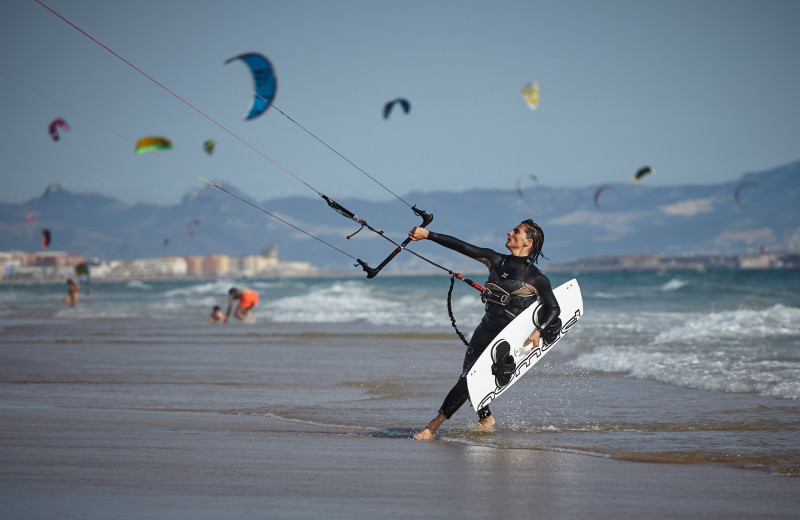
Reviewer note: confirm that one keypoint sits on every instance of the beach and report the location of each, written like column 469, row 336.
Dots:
column 132, row 405
column 84, row 463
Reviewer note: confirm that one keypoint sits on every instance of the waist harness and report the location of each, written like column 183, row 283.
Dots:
column 505, row 297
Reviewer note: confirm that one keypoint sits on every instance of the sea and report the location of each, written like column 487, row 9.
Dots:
column 663, row 367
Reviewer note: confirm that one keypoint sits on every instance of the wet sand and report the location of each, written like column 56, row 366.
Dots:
column 139, row 419
column 94, row 463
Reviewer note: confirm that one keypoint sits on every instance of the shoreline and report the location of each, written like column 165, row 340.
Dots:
column 183, row 464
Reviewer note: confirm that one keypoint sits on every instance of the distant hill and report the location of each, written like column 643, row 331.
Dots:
column 631, row 219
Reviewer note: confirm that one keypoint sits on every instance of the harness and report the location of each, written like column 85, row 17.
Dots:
column 500, row 302
column 505, row 297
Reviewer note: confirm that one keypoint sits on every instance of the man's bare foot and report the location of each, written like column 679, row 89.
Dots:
column 429, row 431
column 424, row 435
column 486, row 424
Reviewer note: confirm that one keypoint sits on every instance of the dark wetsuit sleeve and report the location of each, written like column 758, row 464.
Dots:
column 550, row 309
column 482, row 254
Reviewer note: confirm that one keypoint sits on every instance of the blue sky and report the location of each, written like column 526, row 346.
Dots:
column 703, row 91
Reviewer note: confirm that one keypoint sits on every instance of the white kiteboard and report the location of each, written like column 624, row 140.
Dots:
column 483, row 385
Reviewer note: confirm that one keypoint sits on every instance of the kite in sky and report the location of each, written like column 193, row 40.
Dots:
column 265, row 82
column 739, row 188
column 189, row 230
column 387, row 108
column 55, row 125
column 46, row 238
column 646, row 170
column 149, row 144
column 530, row 93
column 209, row 145
column 597, row 193
column 519, row 183
column 52, row 187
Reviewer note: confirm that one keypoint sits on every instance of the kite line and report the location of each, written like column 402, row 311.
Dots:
column 371, row 272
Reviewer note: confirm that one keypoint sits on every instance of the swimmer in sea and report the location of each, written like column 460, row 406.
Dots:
column 217, row 316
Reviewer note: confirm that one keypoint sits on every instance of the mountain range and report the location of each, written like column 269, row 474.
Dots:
column 627, row 218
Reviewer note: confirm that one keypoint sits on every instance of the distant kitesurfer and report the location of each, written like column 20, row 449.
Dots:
column 72, row 293
column 520, row 282
column 248, row 299
column 216, row 315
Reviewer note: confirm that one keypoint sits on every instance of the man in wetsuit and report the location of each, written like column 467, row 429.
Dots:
column 514, row 275
column 248, row 299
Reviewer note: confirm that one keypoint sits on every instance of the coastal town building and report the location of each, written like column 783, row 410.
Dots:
column 58, row 266
column 20, row 266
column 194, row 265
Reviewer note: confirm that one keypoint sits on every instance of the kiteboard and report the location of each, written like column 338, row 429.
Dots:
column 507, row 351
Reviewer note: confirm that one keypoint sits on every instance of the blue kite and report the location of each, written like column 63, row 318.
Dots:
column 265, row 82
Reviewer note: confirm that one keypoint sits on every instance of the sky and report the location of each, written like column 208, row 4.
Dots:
column 702, row 91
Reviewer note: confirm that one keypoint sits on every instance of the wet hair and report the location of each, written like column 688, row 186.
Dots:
column 232, row 290
column 217, row 308
column 535, row 233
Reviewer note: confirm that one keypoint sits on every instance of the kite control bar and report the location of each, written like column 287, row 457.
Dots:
column 427, row 218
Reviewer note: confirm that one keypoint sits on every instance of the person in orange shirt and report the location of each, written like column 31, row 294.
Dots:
column 248, row 299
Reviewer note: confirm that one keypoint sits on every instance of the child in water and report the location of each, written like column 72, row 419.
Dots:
column 216, row 315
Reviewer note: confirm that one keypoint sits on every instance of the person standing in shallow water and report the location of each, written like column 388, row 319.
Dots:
column 517, row 276
column 72, row 293
column 247, row 298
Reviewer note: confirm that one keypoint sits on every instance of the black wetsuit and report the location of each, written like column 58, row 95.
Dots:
column 516, row 276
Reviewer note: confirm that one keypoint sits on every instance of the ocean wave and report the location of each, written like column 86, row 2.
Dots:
column 344, row 302
column 674, row 285
column 136, row 284
column 218, row 287
column 604, row 295
column 715, row 371
column 741, row 325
